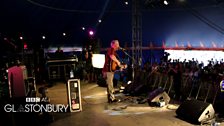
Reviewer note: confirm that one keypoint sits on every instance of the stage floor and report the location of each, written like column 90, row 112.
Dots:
column 97, row 112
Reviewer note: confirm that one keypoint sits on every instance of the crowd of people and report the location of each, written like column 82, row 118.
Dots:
column 184, row 74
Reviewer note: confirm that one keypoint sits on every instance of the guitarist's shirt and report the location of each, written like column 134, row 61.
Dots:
column 108, row 60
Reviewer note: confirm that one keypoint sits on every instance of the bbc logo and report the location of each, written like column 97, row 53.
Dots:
column 33, row 99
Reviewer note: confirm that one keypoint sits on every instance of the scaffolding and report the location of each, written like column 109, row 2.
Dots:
column 136, row 34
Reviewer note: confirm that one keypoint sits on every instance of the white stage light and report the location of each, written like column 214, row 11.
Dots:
column 199, row 55
column 98, row 60
column 165, row 2
column 129, row 82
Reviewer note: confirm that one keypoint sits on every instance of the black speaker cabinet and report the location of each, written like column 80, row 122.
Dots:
column 195, row 111
column 157, row 95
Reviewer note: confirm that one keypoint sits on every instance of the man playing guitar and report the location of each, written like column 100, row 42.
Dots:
column 109, row 68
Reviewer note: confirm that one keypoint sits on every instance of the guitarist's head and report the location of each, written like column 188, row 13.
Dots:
column 115, row 44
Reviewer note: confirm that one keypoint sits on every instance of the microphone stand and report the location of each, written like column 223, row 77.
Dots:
column 129, row 56
column 133, row 63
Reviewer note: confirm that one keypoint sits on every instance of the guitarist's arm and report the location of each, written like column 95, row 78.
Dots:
column 122, row 66
column 113, row 57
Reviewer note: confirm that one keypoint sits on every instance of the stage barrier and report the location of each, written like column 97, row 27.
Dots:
column 203, row 88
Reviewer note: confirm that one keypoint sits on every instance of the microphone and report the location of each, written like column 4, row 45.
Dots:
column 122, row 49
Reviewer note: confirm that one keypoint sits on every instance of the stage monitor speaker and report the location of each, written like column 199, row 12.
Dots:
column 158, row 95
column 195, row 111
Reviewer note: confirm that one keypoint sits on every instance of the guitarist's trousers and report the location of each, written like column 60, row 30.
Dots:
column 110, row 85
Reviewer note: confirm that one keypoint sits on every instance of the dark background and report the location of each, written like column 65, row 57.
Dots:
column 181, row 22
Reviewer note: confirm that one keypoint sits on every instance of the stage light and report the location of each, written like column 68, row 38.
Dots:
column 64, row 34
column 43, row 37
column 91, row 33
column 21, row 37
column 200, row 55
column 99, row 21
column 165, row 2
column 98, row 60
column 126, row 2
column 25, row 46
column 83, row 28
